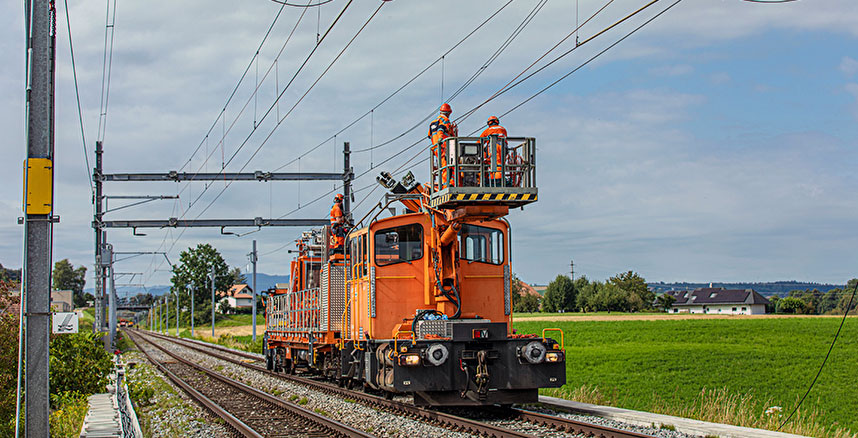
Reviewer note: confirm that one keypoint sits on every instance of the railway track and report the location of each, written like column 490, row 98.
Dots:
column 256, row 363
column 248, row 411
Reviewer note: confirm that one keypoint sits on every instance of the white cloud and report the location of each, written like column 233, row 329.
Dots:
column 624, row 183
column 848, row 66
column 672, row 70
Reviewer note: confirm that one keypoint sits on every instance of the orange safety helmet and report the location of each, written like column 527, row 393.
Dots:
column 493, row 121
column 338, row 198
column 445, row 108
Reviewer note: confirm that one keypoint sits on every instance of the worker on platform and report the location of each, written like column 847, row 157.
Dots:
column 338, row 225
column 440, row 129
column 495, row 174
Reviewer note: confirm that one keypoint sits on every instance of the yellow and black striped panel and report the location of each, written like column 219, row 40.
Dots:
column 458, row 198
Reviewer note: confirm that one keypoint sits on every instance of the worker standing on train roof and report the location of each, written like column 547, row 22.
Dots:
column 495, row 175
column 440, row 129
column 338, row 231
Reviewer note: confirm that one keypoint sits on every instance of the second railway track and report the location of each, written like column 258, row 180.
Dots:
column 248, row 411
column 548, row 423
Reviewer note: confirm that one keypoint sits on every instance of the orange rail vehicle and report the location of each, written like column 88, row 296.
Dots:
column 420, row 301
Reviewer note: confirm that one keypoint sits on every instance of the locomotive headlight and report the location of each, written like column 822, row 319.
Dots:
column 533, row 352
column 554, row 356
column 409, row 360
column 437, row 354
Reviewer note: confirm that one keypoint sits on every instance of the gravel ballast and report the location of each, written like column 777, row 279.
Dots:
column 379, row 422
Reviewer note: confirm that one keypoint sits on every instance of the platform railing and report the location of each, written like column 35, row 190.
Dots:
column 478, row 161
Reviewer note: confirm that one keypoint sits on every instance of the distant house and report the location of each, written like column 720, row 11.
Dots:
column 527, row 289
column 239, row 296
column 62, row 300
column 718, row 300
column 540, row 289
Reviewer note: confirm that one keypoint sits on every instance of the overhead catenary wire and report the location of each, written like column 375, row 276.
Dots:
column 237, row 85
column 271, row 107
column 530, row 98
column 295, row 5
column 398, row 90
column 77, row 97
column 106, row 68
column 298, row 102
column 422, row 150
column 268, row 112
column 824, row 361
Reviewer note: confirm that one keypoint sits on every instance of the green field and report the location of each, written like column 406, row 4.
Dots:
column 642, row 364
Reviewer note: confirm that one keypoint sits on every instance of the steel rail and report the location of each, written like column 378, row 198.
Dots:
column 233, row 422
column 335, row 427
column 448, row 420
column 439, row 418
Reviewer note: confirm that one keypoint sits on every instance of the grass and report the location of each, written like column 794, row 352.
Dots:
column 516, row 315
column 715, row 369
column 67, row 417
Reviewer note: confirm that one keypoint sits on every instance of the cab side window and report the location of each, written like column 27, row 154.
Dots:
column 398, row 244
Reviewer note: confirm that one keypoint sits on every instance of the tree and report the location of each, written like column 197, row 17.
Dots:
column 237, row 276
column 194, row 270
column 665, row 301
column 529, row 303
column 586, row 299
column 560, row 295
column 772, row 307
column 793, row 305
column 632, row 283
column 522, row 301
column 66, row 277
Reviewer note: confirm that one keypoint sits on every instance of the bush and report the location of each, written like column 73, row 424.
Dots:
column 8, row 361
column 69, row 410
column 79, row 363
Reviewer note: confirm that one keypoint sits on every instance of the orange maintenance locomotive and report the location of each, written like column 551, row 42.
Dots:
column 419, row 302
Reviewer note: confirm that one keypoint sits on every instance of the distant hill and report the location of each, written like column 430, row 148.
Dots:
column 780, row 288
column 263, row 282
column 13, row 275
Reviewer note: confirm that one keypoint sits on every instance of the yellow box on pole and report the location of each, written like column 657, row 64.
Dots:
column 38, row 185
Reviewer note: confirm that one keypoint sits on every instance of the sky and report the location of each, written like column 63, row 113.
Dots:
column 716, row 144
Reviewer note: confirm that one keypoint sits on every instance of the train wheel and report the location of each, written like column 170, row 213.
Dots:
column 388, row 395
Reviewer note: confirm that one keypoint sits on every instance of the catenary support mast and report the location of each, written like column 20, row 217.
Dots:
column 38, row 216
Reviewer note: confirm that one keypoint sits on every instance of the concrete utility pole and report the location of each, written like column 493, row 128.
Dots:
column 191, row 287
column 38, row 216
column 253, row 259
column 572, row 269
column 213, row 301
column 177, row 313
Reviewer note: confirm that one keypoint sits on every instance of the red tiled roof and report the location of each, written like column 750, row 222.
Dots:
column 528, row 289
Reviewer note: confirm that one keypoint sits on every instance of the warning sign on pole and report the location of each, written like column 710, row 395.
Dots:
column 65, row 322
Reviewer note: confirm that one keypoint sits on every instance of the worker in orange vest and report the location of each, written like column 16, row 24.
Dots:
column 495, row 175
column 440, row 129
column 338, row 231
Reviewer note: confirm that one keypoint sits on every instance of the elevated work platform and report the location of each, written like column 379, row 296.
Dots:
column 483, row 171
